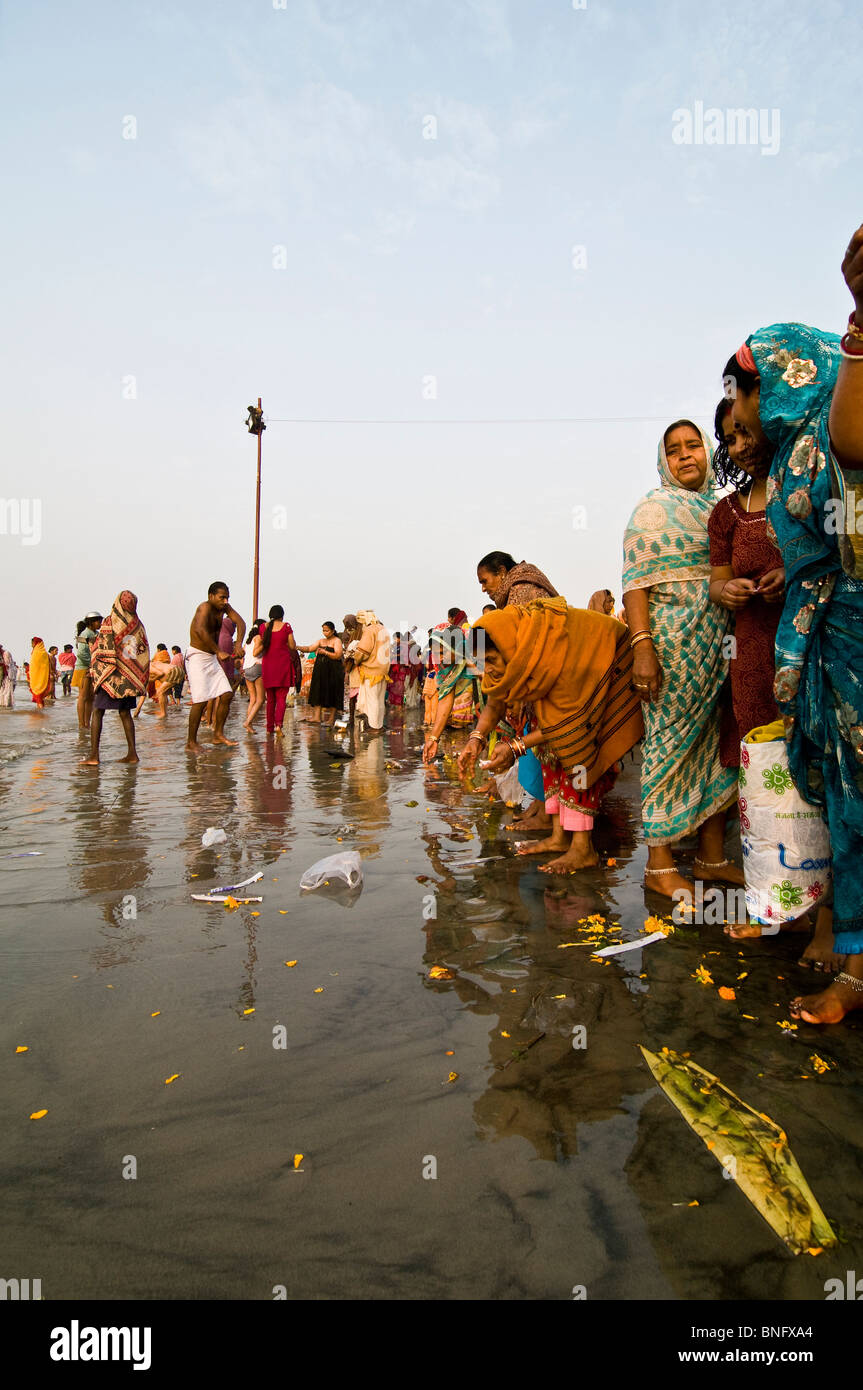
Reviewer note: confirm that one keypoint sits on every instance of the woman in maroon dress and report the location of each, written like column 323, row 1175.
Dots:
column 275, row 645
column 747, row 577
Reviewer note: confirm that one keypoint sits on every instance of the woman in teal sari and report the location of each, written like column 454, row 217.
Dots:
column 798, row 400
column 680, row 663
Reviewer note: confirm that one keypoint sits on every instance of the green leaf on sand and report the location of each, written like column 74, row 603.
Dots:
column 750, row 1145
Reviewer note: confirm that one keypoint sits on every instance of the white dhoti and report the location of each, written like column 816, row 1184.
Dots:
column 371, row 702
column 207, row 680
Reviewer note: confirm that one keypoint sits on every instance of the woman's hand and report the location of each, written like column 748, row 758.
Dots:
column 852, row 269
column 430, row 748
column 502, row 758
column 647, row 674
column 468, row 756
column 737, row 593
column 771, row 587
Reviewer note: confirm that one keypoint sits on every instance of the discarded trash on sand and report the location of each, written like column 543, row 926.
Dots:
column 631, row 945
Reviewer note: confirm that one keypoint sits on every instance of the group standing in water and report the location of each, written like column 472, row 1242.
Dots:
column 739, row 610
column 770, row 567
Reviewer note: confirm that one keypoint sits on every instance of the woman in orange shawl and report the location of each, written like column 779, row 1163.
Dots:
column 119, row 670
column 40, row 672
column 574, row 668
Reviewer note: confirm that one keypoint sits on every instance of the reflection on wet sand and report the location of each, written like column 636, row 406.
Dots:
column 499, row 925
column 558, row 1163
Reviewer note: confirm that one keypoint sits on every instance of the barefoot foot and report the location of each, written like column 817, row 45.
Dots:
column 570, row 862
column 666, row 884
column 830, row 1006
column 725, row 872
column 553, row 844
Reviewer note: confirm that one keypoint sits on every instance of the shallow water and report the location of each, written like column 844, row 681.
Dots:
column 555, row 1167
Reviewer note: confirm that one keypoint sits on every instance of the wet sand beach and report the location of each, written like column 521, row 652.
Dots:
column 555, row 1166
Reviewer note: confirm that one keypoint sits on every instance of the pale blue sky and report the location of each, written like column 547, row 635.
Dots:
column 406, row 257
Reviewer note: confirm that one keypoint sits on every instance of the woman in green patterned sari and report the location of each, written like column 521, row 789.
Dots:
column 680, row 663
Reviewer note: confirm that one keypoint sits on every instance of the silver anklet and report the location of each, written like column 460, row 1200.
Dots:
column 703, row 864
column 672, row 870
column 843, row 978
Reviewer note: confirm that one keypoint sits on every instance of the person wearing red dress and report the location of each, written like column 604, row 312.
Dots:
column 275, row 645
column 747, row 577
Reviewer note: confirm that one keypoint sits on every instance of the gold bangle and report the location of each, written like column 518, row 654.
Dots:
column 642, row 637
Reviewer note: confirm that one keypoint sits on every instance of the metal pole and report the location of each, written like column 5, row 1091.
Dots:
column 255, row 577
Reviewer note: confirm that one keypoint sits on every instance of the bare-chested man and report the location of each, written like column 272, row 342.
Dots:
column 207, row 680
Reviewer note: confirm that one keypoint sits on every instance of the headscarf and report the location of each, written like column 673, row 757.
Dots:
column 523, row 574
column 120, row 663
column 666, row 538
column 575, row 668
column 366, row 616
column 598, row 601
column 798, row 367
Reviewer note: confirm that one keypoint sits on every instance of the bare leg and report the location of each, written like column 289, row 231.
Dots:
column 192, row 745
column 661, row 875
column 223, row 704
column 85, row 702
column 711, row 863
column 129, row 731
column 95, row 735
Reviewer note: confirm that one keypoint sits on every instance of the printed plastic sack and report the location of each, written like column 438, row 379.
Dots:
column 346, row 867
column 786, row 845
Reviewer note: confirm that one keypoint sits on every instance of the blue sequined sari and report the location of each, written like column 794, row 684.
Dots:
column 819, row 643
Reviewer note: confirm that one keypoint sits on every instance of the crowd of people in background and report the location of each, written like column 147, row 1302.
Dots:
column 742, row 611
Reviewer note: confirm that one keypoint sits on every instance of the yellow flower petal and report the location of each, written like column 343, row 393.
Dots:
column 504, row 1035
column 169, row 1079
column 22, row 1049
column 256, row 914
column 453, row 1076
column 247, row 1011
column 38, row 1114
column 298, row 1158
column 319, row 990
column 156, row 1014
column 289, row 963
